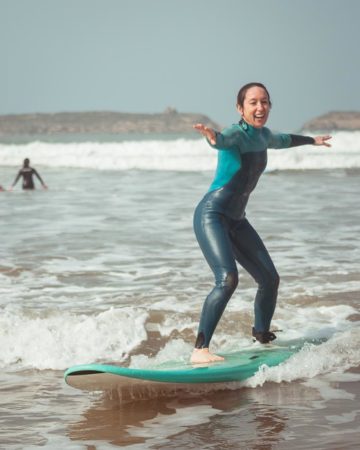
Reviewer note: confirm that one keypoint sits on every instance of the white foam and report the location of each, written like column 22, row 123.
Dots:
column 295, row 321
column 311, row 322
column 58, row 340
column 177, row 154
column 180, row 154
column 340, row 353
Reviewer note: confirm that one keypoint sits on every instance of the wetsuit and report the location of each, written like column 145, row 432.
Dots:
column 27, row 173
column 225, row 235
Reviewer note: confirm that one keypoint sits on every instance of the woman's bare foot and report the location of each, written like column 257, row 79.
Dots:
column 202, row 355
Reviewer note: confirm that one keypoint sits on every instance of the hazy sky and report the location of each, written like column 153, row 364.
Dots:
column 194, row 55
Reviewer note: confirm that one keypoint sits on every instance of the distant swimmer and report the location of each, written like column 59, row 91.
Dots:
column 27, row 173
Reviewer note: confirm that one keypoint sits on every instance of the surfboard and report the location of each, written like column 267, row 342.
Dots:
column 237, row 366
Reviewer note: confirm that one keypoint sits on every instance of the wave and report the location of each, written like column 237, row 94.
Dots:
column 340, row 353
column 56, row 340
column 316, row 365
column 175, row 155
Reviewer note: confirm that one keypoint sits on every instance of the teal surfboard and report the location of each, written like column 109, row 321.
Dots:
column 237, row 366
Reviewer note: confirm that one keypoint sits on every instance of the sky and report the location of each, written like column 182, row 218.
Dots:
column 193, row 55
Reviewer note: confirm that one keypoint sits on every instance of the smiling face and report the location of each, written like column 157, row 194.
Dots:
column 256, row 107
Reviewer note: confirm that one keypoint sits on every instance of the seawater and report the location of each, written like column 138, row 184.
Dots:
column 166, row 154
column 104, row 266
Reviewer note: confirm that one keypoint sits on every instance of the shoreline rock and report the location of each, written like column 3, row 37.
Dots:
column 106, row 122
column 333, row 121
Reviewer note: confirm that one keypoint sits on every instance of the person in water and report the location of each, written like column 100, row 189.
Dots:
column 27, row 173
column 221, row 228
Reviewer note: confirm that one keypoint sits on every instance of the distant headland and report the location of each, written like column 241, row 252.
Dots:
column 335, row 120
column 168, row 122
column 102, row 122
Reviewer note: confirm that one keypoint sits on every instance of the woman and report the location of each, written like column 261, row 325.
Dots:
column 224, row 234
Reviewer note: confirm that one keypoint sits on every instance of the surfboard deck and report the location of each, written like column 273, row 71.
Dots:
column 237, row 366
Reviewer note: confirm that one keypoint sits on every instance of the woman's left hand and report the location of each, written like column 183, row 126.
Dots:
column 322, row 140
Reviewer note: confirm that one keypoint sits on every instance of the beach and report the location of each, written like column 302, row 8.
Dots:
column 104, row 266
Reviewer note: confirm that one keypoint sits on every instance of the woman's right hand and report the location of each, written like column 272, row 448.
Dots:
column 209, row 133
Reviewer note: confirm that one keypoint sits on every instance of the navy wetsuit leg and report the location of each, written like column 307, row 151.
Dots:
column 212, row 233
column 253, row 256
column 221, row 240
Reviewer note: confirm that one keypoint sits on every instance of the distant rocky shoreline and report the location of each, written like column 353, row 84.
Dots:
column 335, row 120
column 170, row 121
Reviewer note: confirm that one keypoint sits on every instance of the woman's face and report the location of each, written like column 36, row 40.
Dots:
column 256, row 108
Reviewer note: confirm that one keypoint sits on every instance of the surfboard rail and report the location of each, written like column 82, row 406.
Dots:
column 237, row 366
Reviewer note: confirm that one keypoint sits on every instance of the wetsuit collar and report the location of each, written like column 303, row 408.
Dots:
column 249, row 128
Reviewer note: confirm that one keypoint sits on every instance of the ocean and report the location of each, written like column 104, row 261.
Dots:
column 104, row 266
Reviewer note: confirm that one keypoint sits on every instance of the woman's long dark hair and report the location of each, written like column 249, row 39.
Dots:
column 245, row 88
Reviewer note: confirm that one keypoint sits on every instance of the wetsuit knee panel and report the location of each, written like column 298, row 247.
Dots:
column 273, row 280
column 228, row 281
column 270, row 281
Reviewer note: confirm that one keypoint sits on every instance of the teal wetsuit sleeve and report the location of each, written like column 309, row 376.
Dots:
column 282, row 140
column 279, row 140
column 228, row 139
